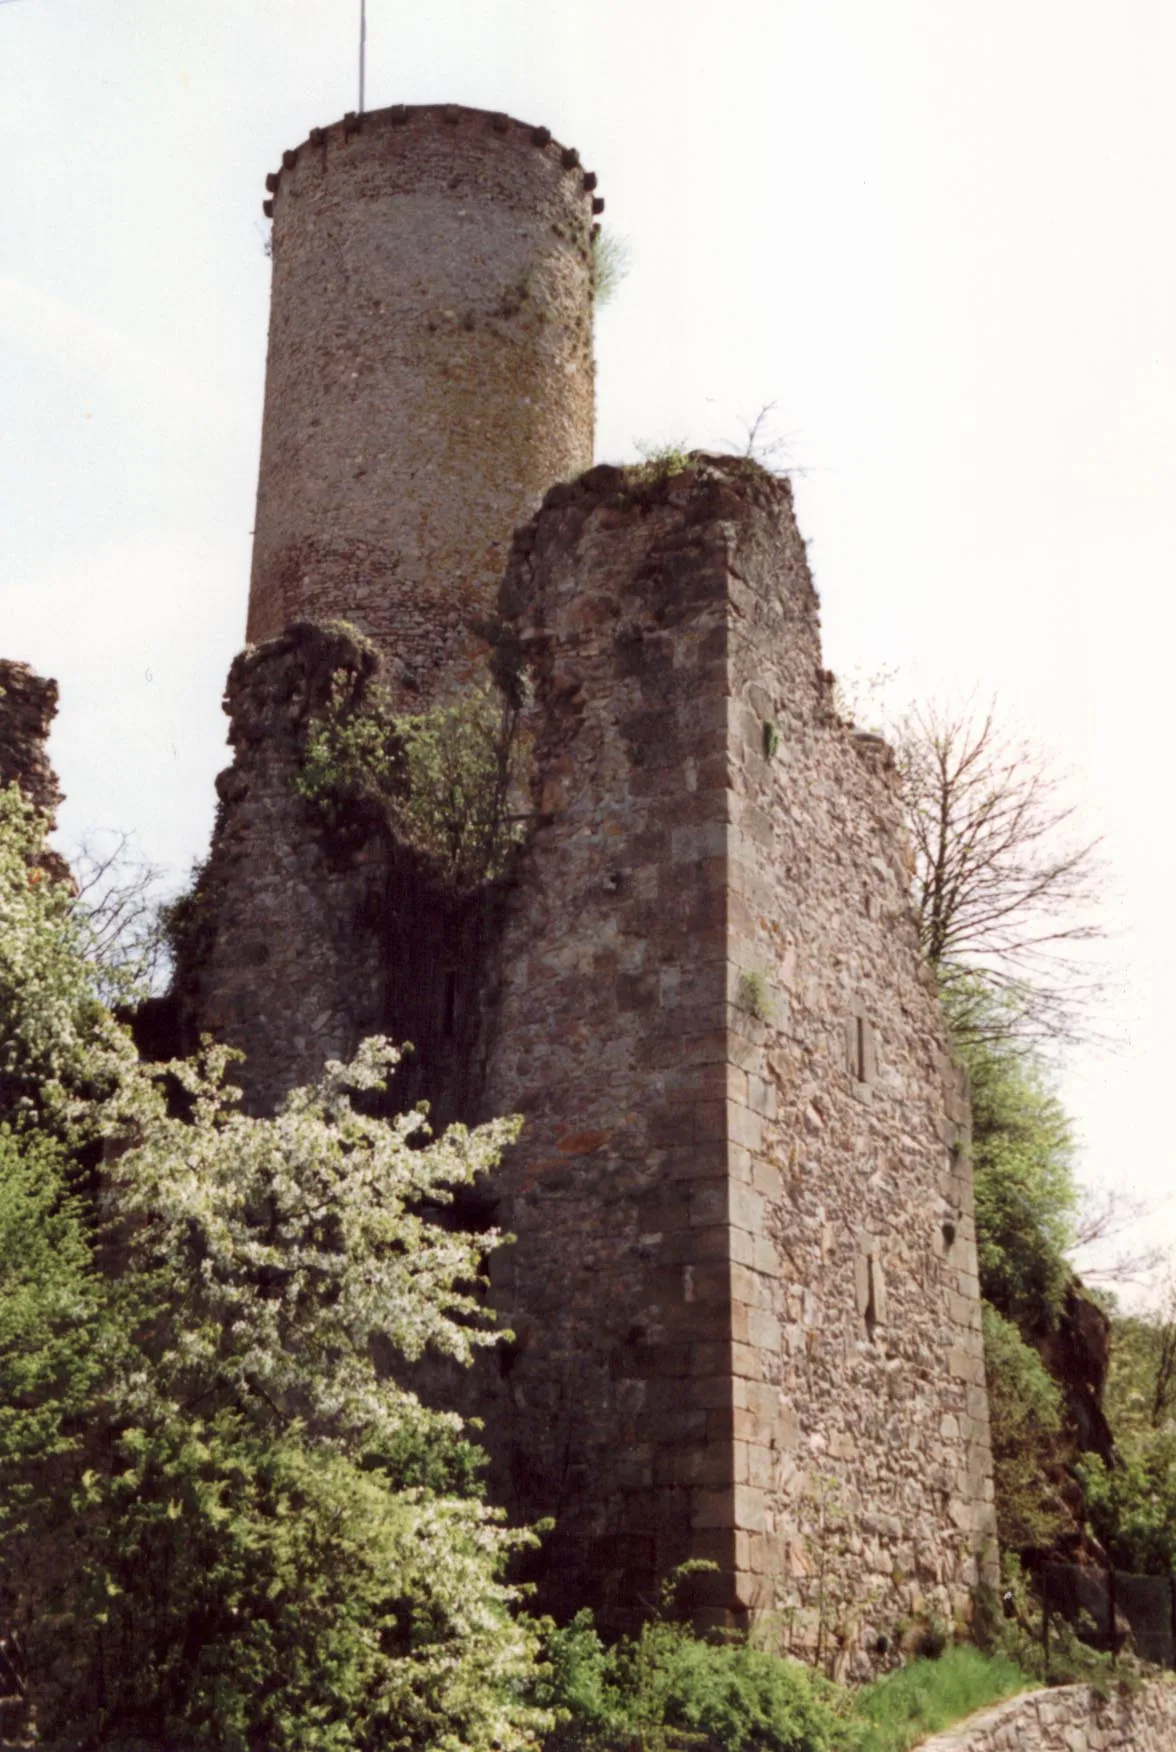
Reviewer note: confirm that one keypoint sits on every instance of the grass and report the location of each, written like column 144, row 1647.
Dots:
column 898, row 1711
column 666, row 1690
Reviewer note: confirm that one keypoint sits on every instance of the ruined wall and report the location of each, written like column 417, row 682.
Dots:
column 277, row 950
column 864, row 1491
column 28, row 706
column 306, row 932
column 744, row 1284
column 613, row 1409
column 429, row 373
column 743, row 1290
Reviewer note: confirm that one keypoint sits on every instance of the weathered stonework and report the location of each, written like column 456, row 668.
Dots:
column 745, row 1276
column 743, row 1290
column 303, row 936
column 429, row 374
column 28, row 706
column 1072, row 1718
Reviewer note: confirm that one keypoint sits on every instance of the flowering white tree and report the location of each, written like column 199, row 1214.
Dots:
column 220, row 1521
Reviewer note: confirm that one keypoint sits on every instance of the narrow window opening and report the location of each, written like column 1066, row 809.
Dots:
column 860, row 1049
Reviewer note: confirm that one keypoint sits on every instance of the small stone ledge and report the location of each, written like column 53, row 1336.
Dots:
column 1070, row 1718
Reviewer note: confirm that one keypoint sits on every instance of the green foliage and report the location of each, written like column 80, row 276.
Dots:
column 1022, row 1153
column 660, row 461
column 1140, row 1394
column 1011, row 1627
column 58, row 1044
column 754, row 996
column 351, row 752
column 53, row 1311
column 904, row 1707
column 220, row 1522
column 442, row 778
column 1131, row 1505
column 459, row 763
column 665, row 1689
column 246, row 1589
column 1025, row 1407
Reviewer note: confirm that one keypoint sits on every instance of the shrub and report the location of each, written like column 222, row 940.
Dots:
column 443, row 779
column 666, row 1688
column 1022, row 1152
column 220, row 1523
column 1025, row 1406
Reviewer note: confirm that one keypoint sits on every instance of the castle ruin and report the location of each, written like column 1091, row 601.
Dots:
column 743, row 1289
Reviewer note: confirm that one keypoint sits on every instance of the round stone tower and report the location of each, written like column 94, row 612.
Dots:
column 429, row 373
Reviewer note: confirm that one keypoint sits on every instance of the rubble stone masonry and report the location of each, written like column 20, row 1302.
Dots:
column 28, row 706
column 743, row 1288
column 429, row 373
column 1072, row 1718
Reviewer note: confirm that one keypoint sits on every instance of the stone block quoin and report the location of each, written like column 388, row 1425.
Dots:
column 429, row 374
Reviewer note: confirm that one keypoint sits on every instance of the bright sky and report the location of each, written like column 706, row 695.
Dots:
column 938, row 237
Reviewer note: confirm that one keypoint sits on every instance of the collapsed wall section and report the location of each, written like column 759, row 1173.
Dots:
column 28, row 706
column 429, row 374
column 307, row 931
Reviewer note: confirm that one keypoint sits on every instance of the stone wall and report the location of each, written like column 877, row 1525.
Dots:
column 1070, row 1719
column 744, row 1285
column 28, row 706
column 429, row 374
column 865, row 1487
column 306, row 934
column 743, row 1291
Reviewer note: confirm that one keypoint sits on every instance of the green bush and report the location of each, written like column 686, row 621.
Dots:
column 1025, row 1406
column 220, row 1523
column 665, row 1688
column 1022, row 1156
column 443, row 779
column 1131, row 1505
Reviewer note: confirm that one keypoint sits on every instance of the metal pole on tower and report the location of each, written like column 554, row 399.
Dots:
column 362, row 47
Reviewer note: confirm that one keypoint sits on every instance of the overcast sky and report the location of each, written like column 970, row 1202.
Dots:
column 938, row 237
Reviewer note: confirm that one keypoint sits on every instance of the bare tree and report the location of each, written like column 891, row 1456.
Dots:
column 763, row 442
column 1004, row 891
column 1105, row 1220
column 117, row 901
